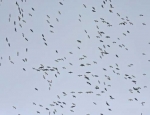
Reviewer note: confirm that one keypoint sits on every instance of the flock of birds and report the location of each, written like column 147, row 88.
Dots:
column 77, row 63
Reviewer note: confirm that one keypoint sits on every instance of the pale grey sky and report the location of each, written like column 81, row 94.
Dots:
column 18, row 86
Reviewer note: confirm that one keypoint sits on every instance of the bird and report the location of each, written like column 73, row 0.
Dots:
column 93, row 10
column 94, row 103
column 38, row 112
column 143, row 23
column 59, row 12
column 107, row 104
column 89, row 83
column 111, row 97
column 14, row 107
column 61, row 3
column 143, row 103
column 31, row 30
column 33, row 9
column 84, row 5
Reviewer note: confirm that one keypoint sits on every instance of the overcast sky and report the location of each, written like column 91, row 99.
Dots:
column 64, row 28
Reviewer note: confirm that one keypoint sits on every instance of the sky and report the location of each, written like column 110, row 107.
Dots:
column 51, row 35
